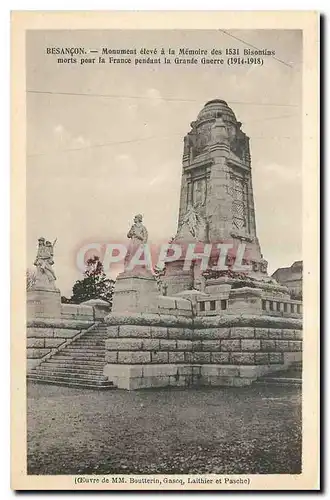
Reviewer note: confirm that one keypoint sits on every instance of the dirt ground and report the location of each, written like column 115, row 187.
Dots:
column 255, row 430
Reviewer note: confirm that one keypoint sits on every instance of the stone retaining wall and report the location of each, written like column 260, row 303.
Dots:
column 150, row 350
column 45, row 337
column 48, row 335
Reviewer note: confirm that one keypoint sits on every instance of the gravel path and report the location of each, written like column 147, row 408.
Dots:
column 255, row 430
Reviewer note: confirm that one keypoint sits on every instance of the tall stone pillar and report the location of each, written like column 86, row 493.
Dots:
column 217, row 202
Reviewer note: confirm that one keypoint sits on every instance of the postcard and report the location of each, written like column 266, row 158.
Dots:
column 165, row 251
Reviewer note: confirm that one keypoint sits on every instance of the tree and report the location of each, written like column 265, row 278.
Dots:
column 94, row 285
column 31, row 278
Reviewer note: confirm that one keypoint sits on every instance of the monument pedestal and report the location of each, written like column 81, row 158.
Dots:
column 245, row 301
column 268, row 286
column 135, row 292
column 178, row 279
column 43, row 303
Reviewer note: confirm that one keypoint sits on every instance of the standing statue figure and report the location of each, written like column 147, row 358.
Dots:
column 138, row 232
column 263, row 265
column 201, row 283
column 44, row 262
column 138, row 235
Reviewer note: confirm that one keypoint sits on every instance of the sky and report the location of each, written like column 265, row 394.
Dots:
column 95, row 161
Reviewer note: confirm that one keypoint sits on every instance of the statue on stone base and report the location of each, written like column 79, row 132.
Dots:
column 138, row 232
column 45, row 275
column 138, row 235
column 263, row 265
column 200, row 283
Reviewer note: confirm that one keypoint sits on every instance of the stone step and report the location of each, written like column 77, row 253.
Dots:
column 71, row 383
column 80, row 364
column 86, row 347
column 69, row 368
column 84, row 350
column 74, row 362
column 89, row 352
column 64, row 359
column 80, row 356
column 90, row 346
column 87, row 342
column 94, row 335
column 73, row 368
column 97, row 336
column 91, row 339
column 80, row 361
column 83, row 341
column 68, row 375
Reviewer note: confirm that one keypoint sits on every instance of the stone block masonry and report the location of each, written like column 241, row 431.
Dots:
column 155, row 350
column 46, row 336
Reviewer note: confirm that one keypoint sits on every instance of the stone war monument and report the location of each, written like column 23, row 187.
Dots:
column 217, row 202
column 214, row 319
column 211, row 326
column 44, row 299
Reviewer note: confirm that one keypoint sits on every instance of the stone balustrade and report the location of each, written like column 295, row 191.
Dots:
column 248, row 300
column 285, row 308
column 211, row 306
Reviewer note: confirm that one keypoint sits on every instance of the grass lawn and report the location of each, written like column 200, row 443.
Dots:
column 254, row 430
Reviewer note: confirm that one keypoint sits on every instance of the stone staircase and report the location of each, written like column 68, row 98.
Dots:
column 291, row 376
column 80, row 364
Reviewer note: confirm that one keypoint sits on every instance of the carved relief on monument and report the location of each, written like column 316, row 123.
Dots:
column 239, row 144
column 193, row 226
column 255, row 266
column 220, row 131
column 263, row 265
column 189, row 144
column 203, row 137
column 260, row 265
column 231, row 131
column 199, row 192
column 239, row 203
